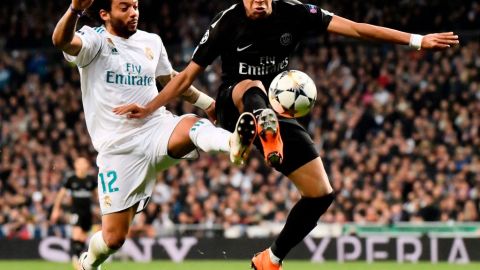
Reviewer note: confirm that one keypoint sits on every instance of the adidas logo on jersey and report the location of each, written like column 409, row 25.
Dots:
column 112, row 47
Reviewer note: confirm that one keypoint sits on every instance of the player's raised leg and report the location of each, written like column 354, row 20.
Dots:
column 251, row 96
column 192, row 132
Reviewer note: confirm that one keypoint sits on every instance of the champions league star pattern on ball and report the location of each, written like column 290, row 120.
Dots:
column 292, row 94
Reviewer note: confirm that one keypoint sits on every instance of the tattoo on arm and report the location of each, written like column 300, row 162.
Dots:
column 191, row 95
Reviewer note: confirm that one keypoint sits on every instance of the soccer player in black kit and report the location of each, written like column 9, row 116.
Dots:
column 255, row 40
column 82, row 188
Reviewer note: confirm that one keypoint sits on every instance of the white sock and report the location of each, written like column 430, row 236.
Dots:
column 210, row 138
column 97, row 253
column 273, row 258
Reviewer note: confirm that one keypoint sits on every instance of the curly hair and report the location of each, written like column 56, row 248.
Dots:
column 93, row 12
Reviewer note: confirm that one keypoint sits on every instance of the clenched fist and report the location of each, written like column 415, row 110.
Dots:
column 81, row 4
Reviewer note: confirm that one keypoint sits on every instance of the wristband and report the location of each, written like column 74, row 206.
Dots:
column 204, row 101
column 416, row 41
column 79, row 13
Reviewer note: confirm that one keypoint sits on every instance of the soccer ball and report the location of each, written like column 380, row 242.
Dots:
column 292, row 93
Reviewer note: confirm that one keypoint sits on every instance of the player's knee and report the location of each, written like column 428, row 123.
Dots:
column 114, row 240
column 254, row 97
column 328, row 198
column 321, row 203
column 322, row 192
column 190, row 119
column 256, row 84
column 248, row 86
column 316, row 191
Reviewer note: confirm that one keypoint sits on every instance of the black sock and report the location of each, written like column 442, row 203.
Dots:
column 254, row 99
column 300, row 222
column 76, row 247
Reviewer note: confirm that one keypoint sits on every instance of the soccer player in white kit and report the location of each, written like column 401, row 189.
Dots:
column 119, row 64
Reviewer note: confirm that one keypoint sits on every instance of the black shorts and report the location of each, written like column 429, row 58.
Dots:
column 82, row 219
column 298, row 147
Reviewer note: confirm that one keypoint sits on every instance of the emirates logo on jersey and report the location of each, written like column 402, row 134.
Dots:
column 286, row 39
column 149, row 53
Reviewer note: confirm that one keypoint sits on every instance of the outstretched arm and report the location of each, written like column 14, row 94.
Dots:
column 176, row 87
column 190, row 95
column 193, row 95
column 64, row 34
column 353, row 29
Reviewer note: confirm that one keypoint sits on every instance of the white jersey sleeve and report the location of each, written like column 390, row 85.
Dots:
column 91, row 46
column 163, row 66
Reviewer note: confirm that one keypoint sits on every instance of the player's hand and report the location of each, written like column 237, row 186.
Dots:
column 439, row 41
column 81, row 4
column 132, row 110
column 210, row 111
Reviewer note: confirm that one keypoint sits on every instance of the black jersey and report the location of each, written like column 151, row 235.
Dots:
column 258, row 49
column 81, row 192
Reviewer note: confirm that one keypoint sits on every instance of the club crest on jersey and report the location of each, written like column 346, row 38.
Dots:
column 205, row 37
column 149, row 53
column 286, row 39
column 107, row 201
column 312, row 8
column 112, row 47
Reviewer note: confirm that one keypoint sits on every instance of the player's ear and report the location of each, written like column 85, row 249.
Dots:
column 104, row 15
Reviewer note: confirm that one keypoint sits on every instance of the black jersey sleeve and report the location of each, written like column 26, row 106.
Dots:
column 210, row 46
column 93, row 183
column 68, row 183
column 315, row 18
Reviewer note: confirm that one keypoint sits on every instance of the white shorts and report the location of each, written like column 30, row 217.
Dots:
column 128, row 168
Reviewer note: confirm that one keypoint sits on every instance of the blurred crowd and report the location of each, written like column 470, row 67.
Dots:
column 398, row 130
column 29, row 23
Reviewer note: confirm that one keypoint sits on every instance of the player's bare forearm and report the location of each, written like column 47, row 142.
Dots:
column 349, row 28
column 383, row 34
column 190, row 95
column 65, row 31
column 178, row 85
column 353, row 29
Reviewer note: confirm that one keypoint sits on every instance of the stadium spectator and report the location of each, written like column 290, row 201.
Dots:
column 82, row 188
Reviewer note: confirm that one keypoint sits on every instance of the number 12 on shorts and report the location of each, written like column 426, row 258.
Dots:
column 107, row 180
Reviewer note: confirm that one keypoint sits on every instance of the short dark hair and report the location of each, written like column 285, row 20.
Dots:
column 94, row 10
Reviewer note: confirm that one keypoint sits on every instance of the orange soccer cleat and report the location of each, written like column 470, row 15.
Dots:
column 268, row 130
column 261, row 261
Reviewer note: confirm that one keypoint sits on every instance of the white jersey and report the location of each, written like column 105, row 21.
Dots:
column 116, row 71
